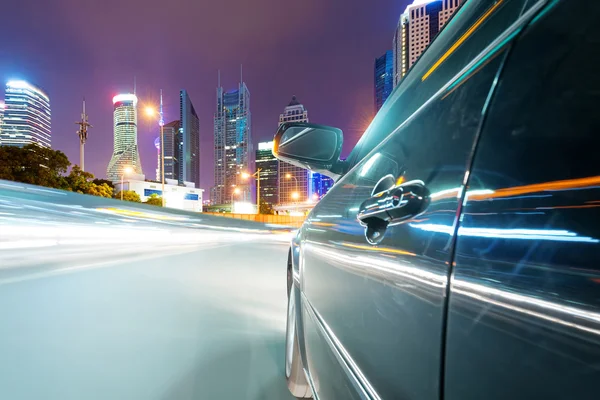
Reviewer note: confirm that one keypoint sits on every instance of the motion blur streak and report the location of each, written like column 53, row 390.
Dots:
column 107, row 299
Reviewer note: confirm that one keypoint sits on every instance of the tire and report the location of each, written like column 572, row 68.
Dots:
column 294, row 371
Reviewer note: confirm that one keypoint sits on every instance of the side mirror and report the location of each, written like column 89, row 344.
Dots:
column 310, row 146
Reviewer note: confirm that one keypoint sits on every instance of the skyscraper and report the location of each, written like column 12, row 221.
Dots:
column 384, row 74
column 172, row 149
column 26, row 115
column 294, row 182
column 158, row 163
column 269, row 173
column 1, row 120
column 189, row 139
column 232, row 130
column 125, row 153
column 417, row 26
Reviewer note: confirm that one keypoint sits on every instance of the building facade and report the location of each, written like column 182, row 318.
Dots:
column 26, row 116
column 294, row 182
column 269, row 173
column 417, row 27
column 384, row 78
column 233, row 146
column 189, row 139
column 125, row 151
column 172, row 150
column 183, row 197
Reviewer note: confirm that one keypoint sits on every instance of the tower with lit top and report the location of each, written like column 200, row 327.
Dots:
column 125, row 153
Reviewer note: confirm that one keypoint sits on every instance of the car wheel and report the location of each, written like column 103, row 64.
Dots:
column 294, row 371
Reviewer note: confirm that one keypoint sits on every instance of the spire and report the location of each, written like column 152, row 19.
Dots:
column 161, row 122
column 294, row 101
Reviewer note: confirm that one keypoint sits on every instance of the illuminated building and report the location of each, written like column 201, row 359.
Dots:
column 418, row 25
column 269, row 173
column 125, row 153
column 1, row 120
column 179, row 196
column 233, row 148
column 384, row 82
column 171, row 134
column 293, row 179
column 158, row 166
column 189, row 141
column 26, row 116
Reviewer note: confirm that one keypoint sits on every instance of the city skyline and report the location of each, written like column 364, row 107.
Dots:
column 73, row 58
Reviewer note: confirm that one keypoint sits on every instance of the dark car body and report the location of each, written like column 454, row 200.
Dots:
column 490, row 290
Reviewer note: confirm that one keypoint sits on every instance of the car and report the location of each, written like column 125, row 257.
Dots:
column 457, row 256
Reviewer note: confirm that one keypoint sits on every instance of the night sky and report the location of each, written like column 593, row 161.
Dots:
column 322, row 51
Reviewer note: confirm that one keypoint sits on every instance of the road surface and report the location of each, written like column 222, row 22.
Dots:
column 101, row 299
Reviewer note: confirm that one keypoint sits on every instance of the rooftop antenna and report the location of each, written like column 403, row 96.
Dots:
column 83, row 133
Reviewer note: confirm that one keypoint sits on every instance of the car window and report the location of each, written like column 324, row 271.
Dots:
column 525, row 288
column 474, row 26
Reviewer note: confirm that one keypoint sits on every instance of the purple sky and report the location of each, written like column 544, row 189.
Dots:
column 320, row 50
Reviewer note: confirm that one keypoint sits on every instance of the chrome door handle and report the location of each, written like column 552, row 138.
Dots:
column 392, row 206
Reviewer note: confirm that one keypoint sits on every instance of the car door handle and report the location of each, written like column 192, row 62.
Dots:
column 392, row 206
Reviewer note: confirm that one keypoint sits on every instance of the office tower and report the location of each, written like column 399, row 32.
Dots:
column 189, row 141
column 384, row 74
column 232, row 130
column 125, row 153
column 418, row 25
column 268, row 165
column 171, row 134
column 294, row 182
column 26, row 115
column 158, row 163
column 320, row 185
column 1, row 120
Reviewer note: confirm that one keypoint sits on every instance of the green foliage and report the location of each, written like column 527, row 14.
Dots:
column 41, row 166
column 154, row 200
column 129, row 195
column 265, row 208
column 34, row 164
column 99, row 182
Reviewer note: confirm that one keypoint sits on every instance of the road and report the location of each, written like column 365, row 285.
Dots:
column 101, row 299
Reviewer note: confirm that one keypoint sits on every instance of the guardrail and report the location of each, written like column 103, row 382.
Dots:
column 286, row 220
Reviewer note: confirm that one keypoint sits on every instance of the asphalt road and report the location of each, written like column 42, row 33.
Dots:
column 105, row 300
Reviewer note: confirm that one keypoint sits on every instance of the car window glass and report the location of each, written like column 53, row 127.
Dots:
column 476, row 24
column 526, row 270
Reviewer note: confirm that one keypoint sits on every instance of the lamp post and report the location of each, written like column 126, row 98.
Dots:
column 126, row 170
column 246, row 175
column 152, row 112
column 295, row 194
column 234, row 192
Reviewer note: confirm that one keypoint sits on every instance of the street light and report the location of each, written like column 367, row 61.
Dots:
column 126, row 170
column 235, row 191
column 246, row 175
column 151, row 112
column 295, row 195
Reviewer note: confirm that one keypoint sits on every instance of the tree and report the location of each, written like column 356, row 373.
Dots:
column 154, row 200
column 34, row 164
column 265, row 208
column 104, row 181
column 129, row 195
column 102, row 190
column 79, row 181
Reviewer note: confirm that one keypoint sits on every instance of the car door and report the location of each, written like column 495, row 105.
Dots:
column 524, row 306
column 373, row 315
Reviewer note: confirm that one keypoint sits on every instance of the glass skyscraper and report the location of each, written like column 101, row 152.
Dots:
column 189, row 141
column 125, row 153
column 384, row 74
column 232, row 131
column 294, row 182
column 26, row 116
column 269, row 173
column 172, row 149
